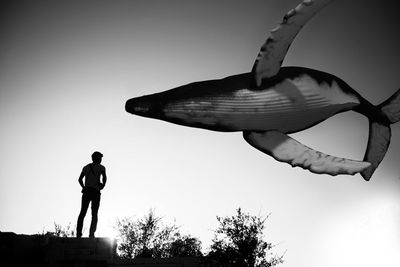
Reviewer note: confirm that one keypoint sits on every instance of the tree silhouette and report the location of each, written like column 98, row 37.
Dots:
column 238, row 241
column 147, row 237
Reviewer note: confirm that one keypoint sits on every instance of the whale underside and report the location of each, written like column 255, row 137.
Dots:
column 293, row 100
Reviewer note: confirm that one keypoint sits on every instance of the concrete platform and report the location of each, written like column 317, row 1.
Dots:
column 45, row 250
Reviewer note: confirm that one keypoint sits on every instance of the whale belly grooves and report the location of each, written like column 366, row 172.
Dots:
column 290, row 105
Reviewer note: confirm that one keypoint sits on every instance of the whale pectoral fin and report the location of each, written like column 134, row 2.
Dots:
column 286, row 149
column 274, row 49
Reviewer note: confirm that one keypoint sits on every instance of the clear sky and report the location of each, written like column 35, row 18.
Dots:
column 67, row 68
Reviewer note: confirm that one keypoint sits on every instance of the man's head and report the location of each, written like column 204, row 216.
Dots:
column 96, row 157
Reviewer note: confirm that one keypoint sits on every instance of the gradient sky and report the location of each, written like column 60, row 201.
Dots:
column 67, row 68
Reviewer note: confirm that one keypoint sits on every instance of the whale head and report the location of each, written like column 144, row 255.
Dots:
column 146, row 106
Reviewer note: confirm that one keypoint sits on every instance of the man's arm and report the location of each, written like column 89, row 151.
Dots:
column 104, row 178
column 80, row 180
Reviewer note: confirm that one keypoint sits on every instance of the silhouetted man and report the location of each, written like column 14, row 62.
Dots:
column 91, row 191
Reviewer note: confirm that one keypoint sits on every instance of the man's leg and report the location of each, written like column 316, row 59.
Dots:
column 95, row 210
column 82, row 214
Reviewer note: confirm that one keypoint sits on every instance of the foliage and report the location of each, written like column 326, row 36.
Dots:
column 238, row 241
column 147, row 237
column 185, row 246
column 60, row 231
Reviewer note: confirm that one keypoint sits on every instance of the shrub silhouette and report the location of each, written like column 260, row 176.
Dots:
column 238, row 241
column 147, row 237
column 60, row 231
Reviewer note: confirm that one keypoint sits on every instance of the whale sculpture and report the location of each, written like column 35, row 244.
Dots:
column 272, row 101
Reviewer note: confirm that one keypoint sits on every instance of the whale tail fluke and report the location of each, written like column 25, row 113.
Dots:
column 391, row 107
column 380, row 133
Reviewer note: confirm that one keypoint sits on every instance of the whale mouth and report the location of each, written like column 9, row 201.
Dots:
column 146, row 106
